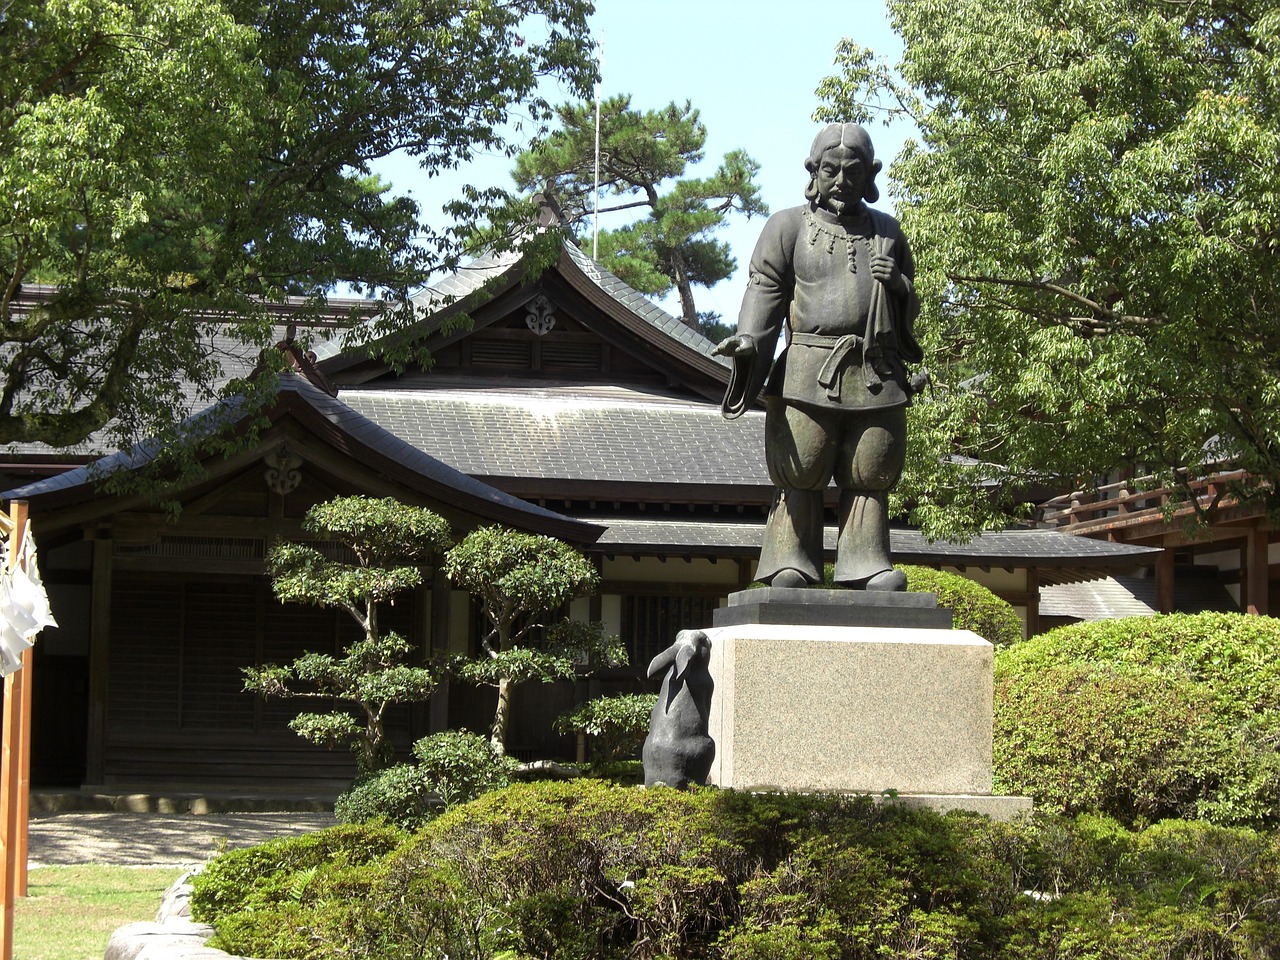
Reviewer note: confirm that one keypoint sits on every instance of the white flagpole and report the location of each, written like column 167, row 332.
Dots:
column 595, row 204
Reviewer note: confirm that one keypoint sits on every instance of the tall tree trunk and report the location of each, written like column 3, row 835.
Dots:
column 680, row 271
column 501, row 715
column 502, row 712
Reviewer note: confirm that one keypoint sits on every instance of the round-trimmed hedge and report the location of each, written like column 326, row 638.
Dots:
column 591, row 870
column 1145, row 718
column 974, row 606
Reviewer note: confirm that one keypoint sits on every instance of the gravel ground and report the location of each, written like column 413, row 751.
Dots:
column 150, row 839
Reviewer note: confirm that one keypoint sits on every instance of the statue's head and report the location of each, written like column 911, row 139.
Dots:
column 842, row 168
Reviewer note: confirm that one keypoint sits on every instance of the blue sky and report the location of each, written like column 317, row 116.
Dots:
column 751, row 67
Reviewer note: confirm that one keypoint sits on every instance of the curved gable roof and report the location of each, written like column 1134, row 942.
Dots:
column 648, row 326
column 340, row 426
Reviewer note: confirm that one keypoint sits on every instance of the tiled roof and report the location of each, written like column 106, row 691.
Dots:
column 1195, row 590
column 469, row 278
column 1041, row 548
column 1031, row 547
column 641, row 305
column 359, row 428
column 236, row 359
column 1104, row 599
column 618, row 435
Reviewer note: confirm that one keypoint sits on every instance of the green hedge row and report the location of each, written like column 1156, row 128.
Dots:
column 590, row 870
column 1145, row 718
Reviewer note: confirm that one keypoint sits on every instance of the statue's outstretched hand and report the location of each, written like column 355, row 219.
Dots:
column 739, row 345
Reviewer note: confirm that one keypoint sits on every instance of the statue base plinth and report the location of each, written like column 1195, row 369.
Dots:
column 904, row 711
column 814, row 606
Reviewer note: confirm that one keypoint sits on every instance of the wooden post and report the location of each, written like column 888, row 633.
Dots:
column 9, row 766
column 1165, row 596
column 1257, row 570
column 24, row 776
column 11, row 781
column 18, row 513
column 1033, row 601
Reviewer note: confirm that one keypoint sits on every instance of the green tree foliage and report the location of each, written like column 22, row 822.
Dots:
column 1093, row 210
column 171, row 167
column 451, row 767
column 522, row 581
column 617, row 725
column 643, row 158
column 390, row 542
column 589, row 870
column 1145, row 718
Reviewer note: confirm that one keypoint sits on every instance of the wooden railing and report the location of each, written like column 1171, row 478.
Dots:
column 1135, row 500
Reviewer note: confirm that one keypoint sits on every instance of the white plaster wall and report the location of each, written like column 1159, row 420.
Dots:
column 611, row 613
column 996, row 579
column 1229, row 559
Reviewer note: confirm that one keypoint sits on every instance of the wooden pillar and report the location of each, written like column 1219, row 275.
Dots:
column 1033, row 601
column 1257, row 573
column 1164, row 581
column 9, row 766
column 438, row 719
column 27, row 677
column 17, row 694
column 99, row 648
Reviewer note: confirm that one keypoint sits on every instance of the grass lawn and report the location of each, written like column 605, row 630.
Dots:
column 70, row 912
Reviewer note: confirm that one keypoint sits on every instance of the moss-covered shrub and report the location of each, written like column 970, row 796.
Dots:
column 1145, row 718
column 452, row 767
column 589, row 870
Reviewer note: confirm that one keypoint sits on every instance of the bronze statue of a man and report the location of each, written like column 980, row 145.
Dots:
column 839, row 274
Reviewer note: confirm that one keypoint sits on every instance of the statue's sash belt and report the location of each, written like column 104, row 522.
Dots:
column 844, row 349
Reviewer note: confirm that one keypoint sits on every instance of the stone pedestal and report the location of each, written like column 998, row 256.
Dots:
column 854, row 709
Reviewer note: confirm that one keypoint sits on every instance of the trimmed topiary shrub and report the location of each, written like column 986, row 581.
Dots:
column 453, row 767
column 590, row 870
column 617, row 725
column 1145, row 718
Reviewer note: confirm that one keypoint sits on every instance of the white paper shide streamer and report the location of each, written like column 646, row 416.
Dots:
column 24, row 605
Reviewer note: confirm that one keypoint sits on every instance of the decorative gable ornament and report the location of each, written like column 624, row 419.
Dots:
column 283, row 475
column 541, row 316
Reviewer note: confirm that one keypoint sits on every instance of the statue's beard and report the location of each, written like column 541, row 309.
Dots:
column 841, row 208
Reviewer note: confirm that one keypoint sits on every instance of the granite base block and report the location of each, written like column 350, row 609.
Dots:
column 851, row 709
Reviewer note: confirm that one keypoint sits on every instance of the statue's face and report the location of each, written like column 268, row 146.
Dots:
column 841, row 178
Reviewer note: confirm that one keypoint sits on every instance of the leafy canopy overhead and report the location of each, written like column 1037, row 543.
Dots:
column 1094, row 212
column 643, row 159
column 170, row 165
